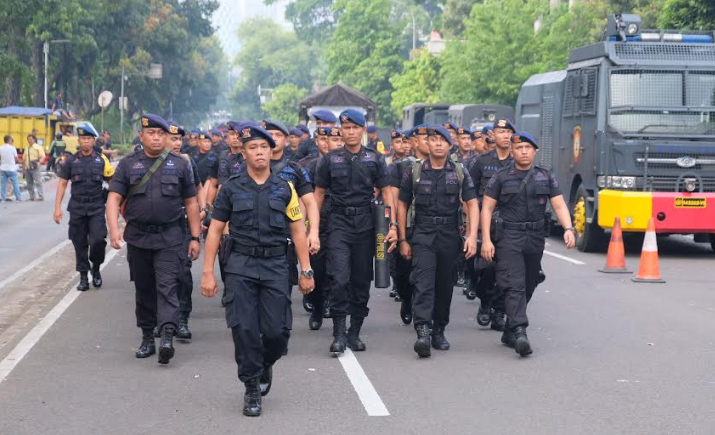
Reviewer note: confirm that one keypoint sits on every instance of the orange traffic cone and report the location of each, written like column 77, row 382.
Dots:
column 649, row 271
column 616, row 257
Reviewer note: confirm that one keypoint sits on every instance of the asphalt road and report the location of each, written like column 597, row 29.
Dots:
column 611, row 357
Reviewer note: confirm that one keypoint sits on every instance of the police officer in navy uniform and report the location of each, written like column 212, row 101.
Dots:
column 520, row 241
column 436, row 242
column 155, row 234
column 229, row 163
column 86, row 169
column 351, row 174
column 261, row 208
column 206, row 159
column 483, row 282
column 173, row 143
column 327, row 139
column 323, row 118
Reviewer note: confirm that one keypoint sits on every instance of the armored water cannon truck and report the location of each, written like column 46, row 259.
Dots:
column 629, row 131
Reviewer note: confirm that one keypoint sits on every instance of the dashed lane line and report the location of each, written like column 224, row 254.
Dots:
column 565, row 258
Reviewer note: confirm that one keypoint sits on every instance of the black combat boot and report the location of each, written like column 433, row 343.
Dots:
column 327, row 313
column 422, row 345
column 316, row 319
column 341, row 336
column 147, row 348
column 398, row 298
column 498, row 320
column 83, row 285
column 521, row 342
column 252, row 399
column 541, row 277
column 166, row 345
column 508, row 339
column 183, row 332
column 266, row 379
column 307, row 305
column 406, row 312
column 96, row 277
column 460, row 279
column 354, row 342
column 393, row 292
column 438, row 340
column 484, row 315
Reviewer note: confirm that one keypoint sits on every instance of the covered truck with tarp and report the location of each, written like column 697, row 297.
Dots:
column 336, row 99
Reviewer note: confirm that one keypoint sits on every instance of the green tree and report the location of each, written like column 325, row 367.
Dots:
column 284, row 103
column 418, row 82
column 313, row 20
column 367, row 48
column 688, row 15
column 456, row 12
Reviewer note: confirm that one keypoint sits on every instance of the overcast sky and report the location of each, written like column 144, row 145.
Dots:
column 231, row 12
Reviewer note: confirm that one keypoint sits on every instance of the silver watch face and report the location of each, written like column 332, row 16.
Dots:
column 307, row 273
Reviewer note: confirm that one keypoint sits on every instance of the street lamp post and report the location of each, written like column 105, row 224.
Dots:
column 46, row 50
column 155, row 72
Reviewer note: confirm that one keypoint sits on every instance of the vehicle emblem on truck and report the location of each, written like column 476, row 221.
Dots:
column 686, row 161
column 576, row 143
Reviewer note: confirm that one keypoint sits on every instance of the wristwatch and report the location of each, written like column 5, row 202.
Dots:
column 401, row 240
column 395, row 224
column 571, row 229
column 307, row 273
column 195, row 239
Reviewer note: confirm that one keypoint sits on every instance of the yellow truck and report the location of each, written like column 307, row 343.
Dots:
column 19, row 122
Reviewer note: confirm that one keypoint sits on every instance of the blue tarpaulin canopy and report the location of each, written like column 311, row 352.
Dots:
column 25, row 111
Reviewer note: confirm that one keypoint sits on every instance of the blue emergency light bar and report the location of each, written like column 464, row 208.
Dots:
column 668, row 37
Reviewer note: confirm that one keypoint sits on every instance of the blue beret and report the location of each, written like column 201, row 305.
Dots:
column 524, row 136
column 296, row 132
column 270, row 124
column 204, row 135
column 149, row 120
column 86, row 130
column 419, row 130
column 440, row 131
column 449, row 126
column 325, row 115
column 372, row 129
column 354, row 116
column 250, row 132
column 395, row 134
column 322, row 131
column 476, row 134
column 487, row 128
column 215, row 132
column 406, row 133
column 233, row 125
column 195, row 131
column 175, row 128
column 461, row 131
column 303, row 128
column 504, row 123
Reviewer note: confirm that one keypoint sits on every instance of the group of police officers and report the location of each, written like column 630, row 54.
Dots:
column 277, row 212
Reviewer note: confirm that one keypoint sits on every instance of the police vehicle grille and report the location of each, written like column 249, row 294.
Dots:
column 683, row 161
column 665, row 52
column 668, row 184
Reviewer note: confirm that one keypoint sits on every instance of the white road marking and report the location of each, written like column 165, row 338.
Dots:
column 31, row 266
column 362, row 385
column 565, row 258
column 30, row 340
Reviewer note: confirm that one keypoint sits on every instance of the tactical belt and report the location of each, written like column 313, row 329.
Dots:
column 260, row 251
column 86, row 199
column 351, row 211
column 436, row 220
column 154, row 229
column 523, row 226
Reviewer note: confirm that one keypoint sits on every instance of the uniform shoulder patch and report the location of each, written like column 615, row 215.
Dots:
column 293, row 209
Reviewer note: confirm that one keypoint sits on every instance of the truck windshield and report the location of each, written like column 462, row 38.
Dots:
column 647, row 102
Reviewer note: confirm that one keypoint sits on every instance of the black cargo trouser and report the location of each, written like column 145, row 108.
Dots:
column 519, row 256
column 88, row 233
column 319, row 296
column 433, row 271
column 256, row 313
column 350, row 266
column 157, row 279
column 186, row 288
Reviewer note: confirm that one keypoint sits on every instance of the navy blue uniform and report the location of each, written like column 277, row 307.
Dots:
column 403, row 267
column 207, row 164
column 256, row 275
column 306, row 148
column 228, row 166
column 436, row 242
column 155, row 233
column 520, row 248
column 351, row 179
column 87, row 226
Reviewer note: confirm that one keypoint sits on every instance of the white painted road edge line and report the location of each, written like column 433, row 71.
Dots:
column 30, row 340
column 31, row 266
column 362, row 385
column 563, row 257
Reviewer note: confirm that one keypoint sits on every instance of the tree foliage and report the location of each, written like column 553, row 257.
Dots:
column 418, row 82
column 284, row 103
column 688, row 15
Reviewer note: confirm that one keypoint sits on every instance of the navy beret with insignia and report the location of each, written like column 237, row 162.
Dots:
column 461, row 131
column 325, row 115
column 322, row 131
column 354, row 116
column 524, row 136
column 175, row 128
column 86, row 130
column 395, row 134
column 296, row 132
column 251, row 132
column 440, row 131
column 420, row 129
column 449, row 126
column 271, row 124
column 303, row 128
column 504, row 123
column 149, row 120
column 204, row 135
column 372, row 129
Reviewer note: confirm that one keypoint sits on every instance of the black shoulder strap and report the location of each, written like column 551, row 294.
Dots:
column 521, row 189
column 278, row 168
column 145, row 179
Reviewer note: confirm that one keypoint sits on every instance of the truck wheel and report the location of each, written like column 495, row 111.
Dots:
column 589, row 237
column 712, row 241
